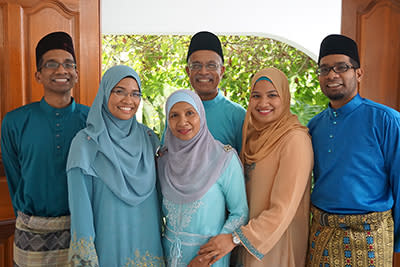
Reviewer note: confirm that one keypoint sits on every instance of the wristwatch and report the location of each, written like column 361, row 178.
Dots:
column 235, row 239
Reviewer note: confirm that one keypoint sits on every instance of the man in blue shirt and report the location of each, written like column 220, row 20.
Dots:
column 205, row 70
column 35, row 142
column 356, row 216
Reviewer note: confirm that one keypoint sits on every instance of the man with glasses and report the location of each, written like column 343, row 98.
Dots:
column 205, row 70
column 356, row 144
column 35, row 141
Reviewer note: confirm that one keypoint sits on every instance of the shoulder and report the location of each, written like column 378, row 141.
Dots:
column 81, row 140
column 232, row 105
column 296, row 142
column 150, row 134
column 82, row 109
column 234, row 157
column 297, row 136
column 146, row 130
column 314, row 120
column 381, row 109
column 230, row 109
column 21, row 113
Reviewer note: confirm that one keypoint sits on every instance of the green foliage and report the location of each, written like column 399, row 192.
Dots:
column 161, row 61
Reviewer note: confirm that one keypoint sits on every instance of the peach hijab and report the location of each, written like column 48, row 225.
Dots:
column 260, row 139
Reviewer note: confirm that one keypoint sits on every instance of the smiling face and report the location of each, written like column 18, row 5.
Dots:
column 120, row 106
column 265, row 103
column 57, row 81
column 183, row 121
column 205, row 82
column 340, row 88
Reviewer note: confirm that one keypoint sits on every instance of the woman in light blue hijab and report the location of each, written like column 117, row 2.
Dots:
column 200, row 180
column 115, row 217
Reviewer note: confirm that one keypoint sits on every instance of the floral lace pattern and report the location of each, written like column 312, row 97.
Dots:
column 83, row 252
column 180, row 216
column 144, row 260
column 234, row 224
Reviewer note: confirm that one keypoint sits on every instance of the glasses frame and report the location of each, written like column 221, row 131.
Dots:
column 348, row 67
column 122, row 94
column 207, row 66
column 66, row 65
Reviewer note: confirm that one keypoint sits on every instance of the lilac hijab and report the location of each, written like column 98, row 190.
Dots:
column 188, row 169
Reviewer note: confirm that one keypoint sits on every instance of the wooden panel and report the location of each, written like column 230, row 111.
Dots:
column 378, row 34
column 7, row 229
column 89, row 50
column 2, row 62
column 6, row 210
column 375, row 25
column 59, row 18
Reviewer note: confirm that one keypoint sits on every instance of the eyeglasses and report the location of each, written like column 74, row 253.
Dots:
column 209, row 66
column 53, row 65
column 123, row 93
column 337, row 68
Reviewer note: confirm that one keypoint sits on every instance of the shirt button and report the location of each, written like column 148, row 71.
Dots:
column 57, row 114
column 329, row 151
column 330, row 136
column 334, row 122
column 57, row 124
column 58, row 147
column 57, row 135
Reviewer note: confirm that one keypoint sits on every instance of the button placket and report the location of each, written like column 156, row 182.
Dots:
column 58, row 132
column 332, row 130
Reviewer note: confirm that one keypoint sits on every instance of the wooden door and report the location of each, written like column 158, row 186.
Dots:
column 22, row 24
column 375, row 25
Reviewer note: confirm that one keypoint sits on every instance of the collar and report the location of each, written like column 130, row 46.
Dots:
column 346, row 109
column 215, row 100
column 57, row 111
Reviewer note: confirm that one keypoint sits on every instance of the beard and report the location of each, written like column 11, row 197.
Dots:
column 337, row 96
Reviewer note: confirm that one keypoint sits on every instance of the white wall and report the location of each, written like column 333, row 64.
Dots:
column 302, row 24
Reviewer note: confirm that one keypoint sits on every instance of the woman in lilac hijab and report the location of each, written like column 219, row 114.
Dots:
column 200, row 180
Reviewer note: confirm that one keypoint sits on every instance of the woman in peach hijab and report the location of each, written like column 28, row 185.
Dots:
column 278, row 159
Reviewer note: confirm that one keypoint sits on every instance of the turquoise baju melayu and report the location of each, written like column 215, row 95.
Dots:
column 115, row 213
column 35, row 141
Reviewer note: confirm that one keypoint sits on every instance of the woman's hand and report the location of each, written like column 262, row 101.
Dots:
column 216, row 248
column 198, row 262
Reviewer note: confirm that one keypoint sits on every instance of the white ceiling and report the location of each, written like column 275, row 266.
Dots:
column 302, row 24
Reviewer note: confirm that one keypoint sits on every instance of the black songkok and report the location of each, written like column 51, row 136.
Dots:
column 338, row 44
column 205, row 41
column 54, row 40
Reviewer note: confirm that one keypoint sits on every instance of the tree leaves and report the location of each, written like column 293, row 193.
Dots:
column 161, row 61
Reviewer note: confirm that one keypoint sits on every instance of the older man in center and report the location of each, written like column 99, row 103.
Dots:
column 205, row 68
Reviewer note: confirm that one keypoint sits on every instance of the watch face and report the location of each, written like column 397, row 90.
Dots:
column 235, row 239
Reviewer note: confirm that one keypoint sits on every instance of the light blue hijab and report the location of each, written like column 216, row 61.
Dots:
column 119, row 152
column 188, row 169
